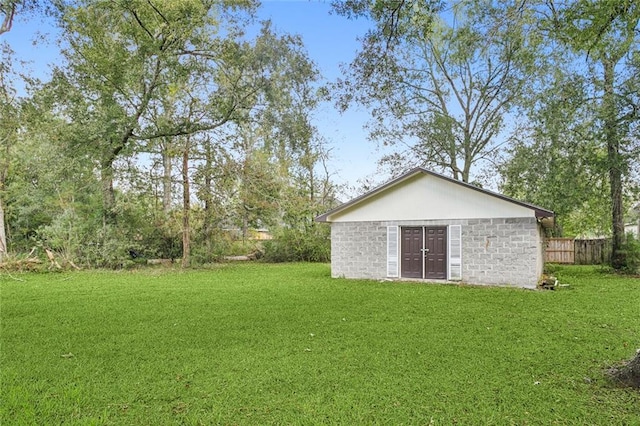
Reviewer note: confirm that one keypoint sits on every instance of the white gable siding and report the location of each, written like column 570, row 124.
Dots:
column 426, row 197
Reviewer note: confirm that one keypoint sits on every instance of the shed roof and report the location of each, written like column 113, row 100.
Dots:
column 539, row 212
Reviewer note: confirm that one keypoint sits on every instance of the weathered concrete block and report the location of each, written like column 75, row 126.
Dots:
column 494, row 251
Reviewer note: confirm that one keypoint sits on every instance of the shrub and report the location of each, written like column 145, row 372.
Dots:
column 109, row 248
column 295, row 245
column 631, row 250
column 213, row 247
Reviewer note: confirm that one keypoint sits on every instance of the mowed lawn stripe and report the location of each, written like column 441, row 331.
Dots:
column 265, row 344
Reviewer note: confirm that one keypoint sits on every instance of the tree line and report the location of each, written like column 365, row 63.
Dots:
column 169, row 125
column 167, row 130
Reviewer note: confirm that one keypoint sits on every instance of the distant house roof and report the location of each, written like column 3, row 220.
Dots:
column 539, row 211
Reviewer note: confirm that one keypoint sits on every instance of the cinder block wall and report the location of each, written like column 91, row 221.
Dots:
column 359, row 250
column 494, row 251
column 501, row 251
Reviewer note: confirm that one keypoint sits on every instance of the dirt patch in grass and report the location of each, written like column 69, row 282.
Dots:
column 627, row 374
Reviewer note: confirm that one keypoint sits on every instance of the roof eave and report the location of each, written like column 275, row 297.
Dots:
column 538, row 211
column 324, row 217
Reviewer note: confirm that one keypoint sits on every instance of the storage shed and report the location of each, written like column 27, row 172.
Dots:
column 426, row 226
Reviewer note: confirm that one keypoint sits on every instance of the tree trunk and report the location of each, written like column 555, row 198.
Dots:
column 186, row 206
column 615, row 163
column 166, row 177
column 3, row 233
column 9, row 14
column 4, row 173
column 108, row 195
column 466, row 171
column 245, row 226
column 208, row 197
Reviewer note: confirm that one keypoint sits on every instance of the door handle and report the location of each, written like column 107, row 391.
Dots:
column 425, row 250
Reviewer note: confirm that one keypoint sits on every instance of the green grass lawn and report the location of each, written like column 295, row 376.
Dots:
column 286, row 344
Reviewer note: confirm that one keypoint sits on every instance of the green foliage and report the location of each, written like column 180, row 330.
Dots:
column 131, row 86
column 631, row 249
column 212, row 247
column 605, row 35
column 577, row 154
column 285, row 344
column 161, row 240
column 602, row 29
column 557, row 163
column 293, row 245
column 134, row 73
column 49, row 192
column 77, row 233
column 109, row 249
column 440, row 96
column 62, row 234
column 392, row 18
column 259, row 190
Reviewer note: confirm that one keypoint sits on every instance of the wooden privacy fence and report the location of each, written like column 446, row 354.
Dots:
column 593, row 252
column 560, row 250
column 580, row 252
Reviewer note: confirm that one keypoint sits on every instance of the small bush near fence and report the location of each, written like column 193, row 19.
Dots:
column 631, row 249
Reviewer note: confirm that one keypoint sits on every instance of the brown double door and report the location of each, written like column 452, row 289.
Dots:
column 424, row 252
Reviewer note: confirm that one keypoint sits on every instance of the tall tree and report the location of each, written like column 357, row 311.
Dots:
column 607, row 33
column 556, row 161
column 440, row 88
column 186, row 203
column 214, row 177
column 605, row 36
column 8, row 133
column 123, row 57
column 599, row 45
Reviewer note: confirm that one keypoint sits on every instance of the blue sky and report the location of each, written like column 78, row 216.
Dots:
column 330, row 40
